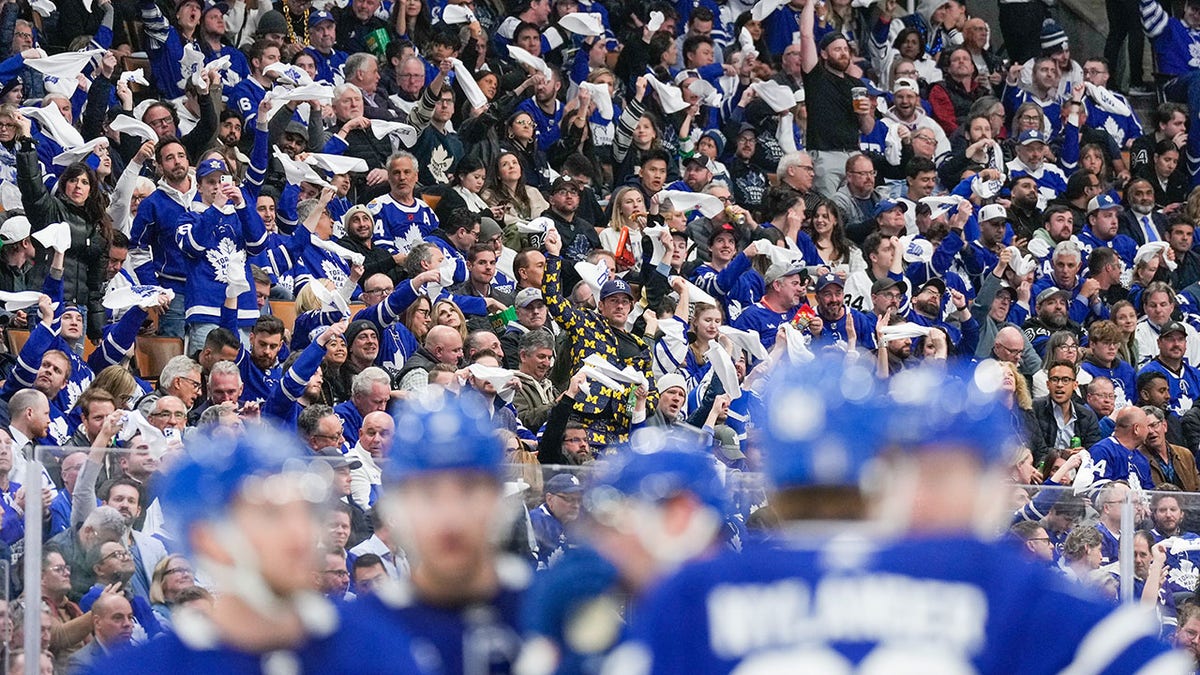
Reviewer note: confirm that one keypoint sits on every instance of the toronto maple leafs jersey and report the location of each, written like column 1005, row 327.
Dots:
column 1184, row 383
column 1122, row 128
column 257, row 384
column 1107, row 461
column 208, row 237
column 475, row 639
column 153, row 231
column 1176, row 46
column 947, row 605
column 317, row 263
column 399, row 227
column 396, row 342
column 356, row 642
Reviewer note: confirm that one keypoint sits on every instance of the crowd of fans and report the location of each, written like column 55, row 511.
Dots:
column 601, row 218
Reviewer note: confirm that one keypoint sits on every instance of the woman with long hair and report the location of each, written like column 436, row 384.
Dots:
column 507, row 192
column 418, row 318
column 629, row 216
column 1061, row 346
column 446, row 313
column 520, row 138
column 1017, row 399
column 412, row 20
column 78, row 201
column 122, row 384
column 333, row 384
column 172, row 575
column 1125, row 316
column 824, row 226
column 469, row 178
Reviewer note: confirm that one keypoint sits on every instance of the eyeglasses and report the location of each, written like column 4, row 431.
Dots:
column 194, row 383
column 1008, row 350
column 871, row 172
column 172, row 414
column 522, row 123
column 1060, row 380
column 338, row 572
column 1030, row 117
column 575, row 440
column 339, row 434
column 178, row 570
column 60, row 569
column 1068, row 346
column 379, row 291
column 807, row 167
column 160, row 122
column 119, row 555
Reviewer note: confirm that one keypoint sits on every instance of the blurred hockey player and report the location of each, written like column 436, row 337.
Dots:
column 443, row 500
column 649, row 510
column 247, row 510
column 830, row 598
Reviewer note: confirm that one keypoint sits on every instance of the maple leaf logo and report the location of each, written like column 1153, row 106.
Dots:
column 219, row 258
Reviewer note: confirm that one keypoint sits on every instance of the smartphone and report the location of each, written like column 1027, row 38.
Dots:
column 226, row 180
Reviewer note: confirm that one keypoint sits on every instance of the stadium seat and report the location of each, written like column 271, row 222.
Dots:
column 16, row 339
column 152, row 353
column 285, row 311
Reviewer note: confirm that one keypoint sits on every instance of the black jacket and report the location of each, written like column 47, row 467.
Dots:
column 1044, row 437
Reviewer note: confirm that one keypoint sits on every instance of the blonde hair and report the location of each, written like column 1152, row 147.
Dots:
column 157, row 597
column 1022, row 396
column 119, row 382
column 307, row 300
column 462, row 319
column 618, row 221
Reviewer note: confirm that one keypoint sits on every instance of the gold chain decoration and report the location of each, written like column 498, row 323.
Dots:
column 287, row 14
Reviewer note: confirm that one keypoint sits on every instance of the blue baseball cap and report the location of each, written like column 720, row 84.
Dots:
column 886, row 205
column 825, row 424
column 219, row 6
column 615, row 287
column 948, row 409
column 319, row 16
column 444, row 432
column 1031, row 136
column 210, row 166
column 827, row 279
column 1103, row 202
column 216, row 470
column 563, row 484
column 657, row 466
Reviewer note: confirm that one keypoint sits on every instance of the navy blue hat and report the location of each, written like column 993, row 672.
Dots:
column 219, row 6
column 1103, row 201
column 827, row 279
column 886, row 205
column 939, row 409
column 319, row 16
column 210, row 166
column 615, row 287
column 1031, row 136
column 825, row 423
column 444, row 432
column 564, row 484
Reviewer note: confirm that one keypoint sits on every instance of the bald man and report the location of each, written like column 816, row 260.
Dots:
column 112, row 630
column 1116, row 457
column 375, row 437
column 443, row 344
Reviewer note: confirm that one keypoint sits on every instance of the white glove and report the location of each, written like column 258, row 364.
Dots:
column 236, row 282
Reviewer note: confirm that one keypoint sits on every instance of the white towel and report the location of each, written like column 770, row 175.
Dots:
column 79, row 153
column 500, row 378
column 708, row 205
column 134, row 296
column 137, row 75
column 56, row 236
column 55, row 125
column 526, row 59
column 18, row 300
column 670, row 97
column 626, row 375
column 747, row 341
column 329, row 299
column 298, row 172
column 43, row 7
column 589, row 24
column 656, row 21
column 779, row 97
column 1021, row 264
column 65, row 65
column 539, row 225
column 338, row 250
column 903, row 331
column 137, row 128
column 456, row 14
column 600, row 97
column 305, row 92
column 1039, row 248
column 1106, row 101
column 382, row 129
column 797, row 345
column 764, row 8
column 287, row 74
column 722, row 366
column 940, row 206
column 466, row 80
column 594, row 275
column 1148, row 251
column 336, row 164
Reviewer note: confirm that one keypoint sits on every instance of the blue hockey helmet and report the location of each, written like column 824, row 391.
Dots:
column 441, row 432
column 824, row 425
column 660, row 464
column 951, row 409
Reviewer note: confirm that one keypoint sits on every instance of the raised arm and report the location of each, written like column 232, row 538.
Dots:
column 808, row 42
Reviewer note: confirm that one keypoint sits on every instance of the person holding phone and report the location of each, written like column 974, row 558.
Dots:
column 216, row 232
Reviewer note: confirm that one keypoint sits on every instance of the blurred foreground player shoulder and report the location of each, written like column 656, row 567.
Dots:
column 247, row 509
column 914, row 591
